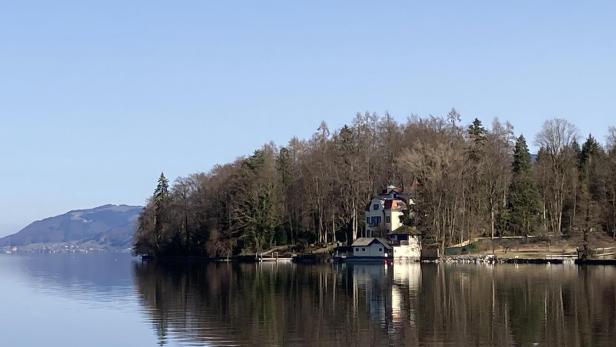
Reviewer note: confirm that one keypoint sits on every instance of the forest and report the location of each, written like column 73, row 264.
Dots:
column 466, row 180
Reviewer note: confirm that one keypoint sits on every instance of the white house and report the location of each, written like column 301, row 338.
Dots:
column 385, row 217
column 372, row 247
column 384, row 213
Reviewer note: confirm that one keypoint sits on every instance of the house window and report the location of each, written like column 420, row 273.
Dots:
column 367, row 220
column 356, row 249
column 375, row 220
column 375, row 207
column 363, row 249
column 380, row 249
column 387, row 219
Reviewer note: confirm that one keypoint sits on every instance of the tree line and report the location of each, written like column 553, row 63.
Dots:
column 465, row 181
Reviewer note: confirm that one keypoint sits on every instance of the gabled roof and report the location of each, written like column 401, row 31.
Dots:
column 363, row 241
column 367, row 241
column 391, row 199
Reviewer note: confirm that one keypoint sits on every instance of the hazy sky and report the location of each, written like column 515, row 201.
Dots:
column 96, row 98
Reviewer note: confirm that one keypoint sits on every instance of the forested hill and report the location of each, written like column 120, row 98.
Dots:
column 104, row 227
column 466, row 180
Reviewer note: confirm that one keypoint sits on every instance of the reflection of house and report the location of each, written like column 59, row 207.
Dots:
column 371, row 285
column 371, row 248
column 406, row 283
column 385, row 212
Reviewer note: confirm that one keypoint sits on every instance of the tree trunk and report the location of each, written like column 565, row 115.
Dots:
column 492, row 221
column 354, row 220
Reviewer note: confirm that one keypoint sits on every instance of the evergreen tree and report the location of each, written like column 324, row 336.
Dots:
column 474, row 187
column 590, row 148
column 160, row 197
column 591, row 188
column 523, row 196
column 256, row 213
column 478, row 136
column 577, row 151
column 161, row 193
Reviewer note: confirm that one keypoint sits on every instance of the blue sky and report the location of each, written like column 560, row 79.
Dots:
column 96, row 98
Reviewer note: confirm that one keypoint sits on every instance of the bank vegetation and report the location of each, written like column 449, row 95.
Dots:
column 466, row 180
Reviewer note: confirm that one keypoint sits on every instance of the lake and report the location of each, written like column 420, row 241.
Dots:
column 115, row 300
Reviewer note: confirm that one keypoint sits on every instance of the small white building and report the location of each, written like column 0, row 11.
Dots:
column 372, row 247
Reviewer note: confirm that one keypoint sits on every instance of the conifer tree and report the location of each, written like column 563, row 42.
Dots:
column 474, row 185
column 478, row 136
column 160, row 197
column 523, row 196
column 162, row 189
column 591, row 190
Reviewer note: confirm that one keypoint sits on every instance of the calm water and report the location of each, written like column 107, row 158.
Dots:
column 114, row 300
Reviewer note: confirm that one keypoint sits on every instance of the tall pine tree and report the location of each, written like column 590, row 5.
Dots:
column 523, row 201
column 478, row 136
column 160, row 197
column 591, row 189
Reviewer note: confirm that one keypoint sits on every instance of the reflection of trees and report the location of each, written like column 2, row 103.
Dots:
column 269, row 303
column 406, row 304
column 522, row 305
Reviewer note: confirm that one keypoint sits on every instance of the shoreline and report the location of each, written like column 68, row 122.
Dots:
column 312, row 259
column 482, row 259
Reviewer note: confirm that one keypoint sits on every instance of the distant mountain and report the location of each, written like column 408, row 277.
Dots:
column 102, row 228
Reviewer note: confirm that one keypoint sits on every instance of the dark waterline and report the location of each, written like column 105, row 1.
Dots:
column 115, row 300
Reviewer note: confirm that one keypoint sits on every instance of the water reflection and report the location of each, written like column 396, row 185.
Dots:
column 66, row 300
column 403, row 304
column 102, row 277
